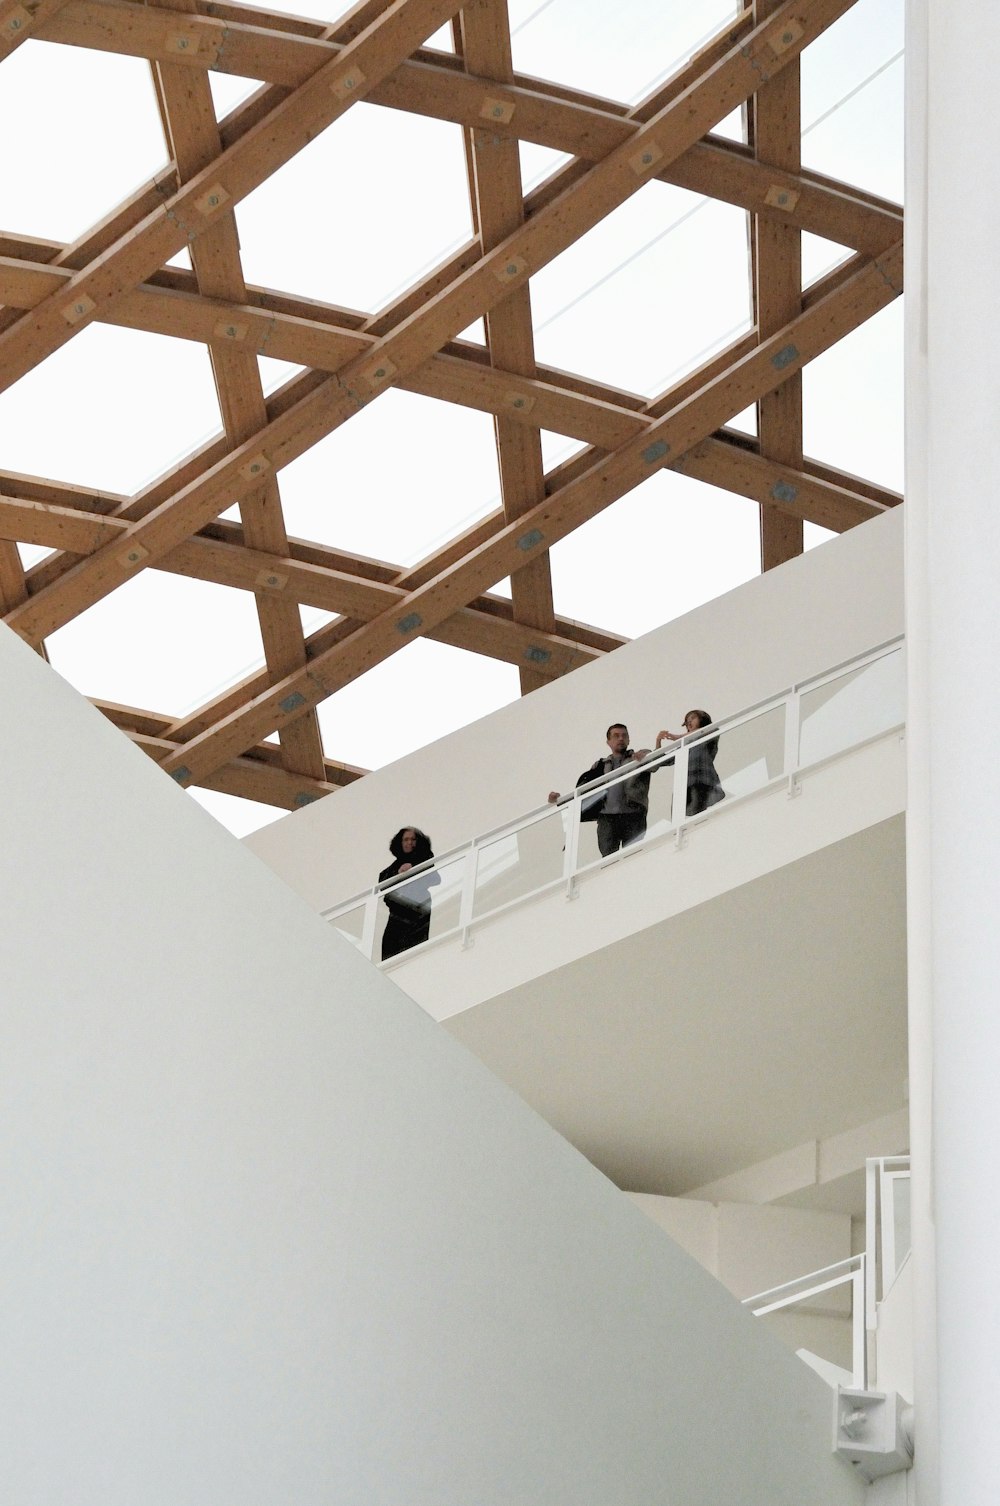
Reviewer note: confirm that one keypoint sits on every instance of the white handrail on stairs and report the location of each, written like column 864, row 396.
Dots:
column 842, row 1273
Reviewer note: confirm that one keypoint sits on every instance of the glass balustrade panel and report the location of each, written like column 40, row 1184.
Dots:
column 856, row 705
column 514, row 864
column 899, row 1212
column 420, row 909
column 742, row 759
column 350, row 924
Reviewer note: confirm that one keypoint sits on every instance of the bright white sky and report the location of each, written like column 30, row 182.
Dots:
column 648, row 293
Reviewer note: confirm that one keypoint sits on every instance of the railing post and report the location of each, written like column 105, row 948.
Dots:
column 571, row 857
column 793, row 716
column 368, row 926
column 871, row 1246
column 859, row 1330
column 678, row 808
column 467, row 902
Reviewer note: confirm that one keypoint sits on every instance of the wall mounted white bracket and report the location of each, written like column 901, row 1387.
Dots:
column 874, row 1430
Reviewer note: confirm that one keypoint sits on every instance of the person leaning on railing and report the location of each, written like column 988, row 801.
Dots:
column 703, row 787
column 620, row 810
column 409, row 904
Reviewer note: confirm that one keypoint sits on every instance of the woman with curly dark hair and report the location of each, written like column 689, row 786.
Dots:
column 408, row 903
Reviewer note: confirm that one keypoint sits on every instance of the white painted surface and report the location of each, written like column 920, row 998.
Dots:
column 272, row 1237
column 953, row 566
column 831, row 604
column 894, row 1343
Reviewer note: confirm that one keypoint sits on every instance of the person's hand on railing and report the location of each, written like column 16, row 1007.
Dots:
column 404, row 867
column 554, row 797
column 642, row 753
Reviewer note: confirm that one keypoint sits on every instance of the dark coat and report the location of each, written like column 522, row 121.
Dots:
column 636, row 790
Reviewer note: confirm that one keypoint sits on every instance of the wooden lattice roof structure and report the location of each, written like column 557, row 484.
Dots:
column 310, row 75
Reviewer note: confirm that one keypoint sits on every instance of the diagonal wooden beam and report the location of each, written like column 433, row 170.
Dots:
column 776, row 136
column 418, row 336
column 728, row 461
column 213, row 191
column 483, row 41
column 19, row 21
column 192, row 137
column 256, row 775
column 264, row 44
column 871, row 285
column 311, row 575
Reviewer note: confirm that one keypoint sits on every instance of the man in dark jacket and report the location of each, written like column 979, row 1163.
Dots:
column 620, row 810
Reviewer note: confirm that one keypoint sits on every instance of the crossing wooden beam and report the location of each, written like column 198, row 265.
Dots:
column 416, row 337
column 776, row 265
column 584, row 125
column 482, row 37
column 870, row 287
column 211, row 193
column 726, row 460
column 192, row 137
column 309, row 574
column 19, row 21
column 256, row 775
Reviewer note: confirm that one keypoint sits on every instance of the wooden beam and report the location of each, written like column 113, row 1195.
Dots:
column 214, row 191
column 263, row 44
column 312, row 576
column 723, row 461
column 409, row 344
column 871, row 285
column 483, row 42
column 256, row 775
column 20, row 21
column 776, row 135
column 192, row 137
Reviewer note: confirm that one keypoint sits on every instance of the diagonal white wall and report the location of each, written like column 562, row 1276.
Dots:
column 270, row 1236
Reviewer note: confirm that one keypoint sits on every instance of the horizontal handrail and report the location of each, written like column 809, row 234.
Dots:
column 569, row 808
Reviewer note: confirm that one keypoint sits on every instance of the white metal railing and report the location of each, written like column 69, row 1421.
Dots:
column 850, row 1272
column 766, row 746
column 887, row 1228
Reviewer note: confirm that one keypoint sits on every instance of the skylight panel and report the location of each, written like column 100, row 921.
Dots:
column 129, row 405
column 405, row 475
column 664, row 548
column 842, row 426
column 424, row 692
column 90, row 137
column 637, row 300
column 621, row 51
column 162, row 642
column 360, row 212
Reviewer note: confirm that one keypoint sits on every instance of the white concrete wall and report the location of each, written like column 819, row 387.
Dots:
column 270, row 1236
column 831, row 604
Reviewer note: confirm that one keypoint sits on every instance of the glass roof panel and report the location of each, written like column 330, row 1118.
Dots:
column 161, row 642
column 618, row 51
column 638, row 300
column 403, row 476
column 852, row 83
column 422, row 693
column 362, row 212
column 81, row 158
column 238, row 816
column 844, row 424
column 129, row 406
column 665, row 548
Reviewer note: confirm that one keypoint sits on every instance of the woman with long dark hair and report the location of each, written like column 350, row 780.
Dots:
column 409, row 902
column 704, row 787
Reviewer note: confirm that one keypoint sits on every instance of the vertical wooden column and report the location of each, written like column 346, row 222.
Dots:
column 775, row 132
column 483, row 37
